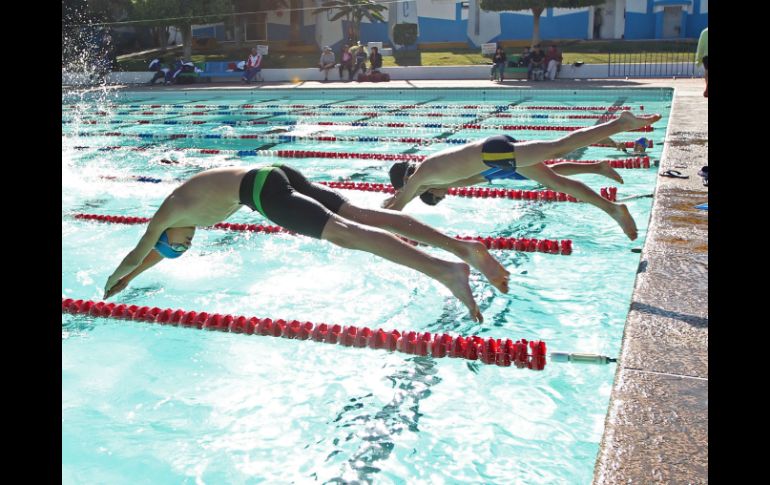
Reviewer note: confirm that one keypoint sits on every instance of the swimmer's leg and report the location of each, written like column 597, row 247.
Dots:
column 570, row 168
column 533, row 152
column 472, row 252
column 542, row 174
column 352, row 235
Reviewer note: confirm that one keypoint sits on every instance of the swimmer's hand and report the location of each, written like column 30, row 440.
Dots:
column 113, row 288
column 389, row 203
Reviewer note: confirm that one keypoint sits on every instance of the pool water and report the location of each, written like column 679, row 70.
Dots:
column 145, row 403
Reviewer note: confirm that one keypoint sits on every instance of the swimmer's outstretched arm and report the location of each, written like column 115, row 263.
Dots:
column 424, row 178
column 159, row 223
column 475, row 180
column 151, row 260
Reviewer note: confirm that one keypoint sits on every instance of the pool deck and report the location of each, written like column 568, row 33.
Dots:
column 656, row 429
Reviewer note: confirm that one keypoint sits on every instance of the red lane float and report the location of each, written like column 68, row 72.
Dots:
column 523, row 244
column 473, row 192
column 504, row 353
column 632, row 162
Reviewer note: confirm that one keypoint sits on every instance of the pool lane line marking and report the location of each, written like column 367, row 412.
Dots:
column 395, row 110
column 161, row 117
column 478, row 119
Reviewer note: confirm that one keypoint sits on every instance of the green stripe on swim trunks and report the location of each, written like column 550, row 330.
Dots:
column 259, row 181
column 498, row 156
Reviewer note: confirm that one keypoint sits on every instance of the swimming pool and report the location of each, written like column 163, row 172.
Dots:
column 160, row 404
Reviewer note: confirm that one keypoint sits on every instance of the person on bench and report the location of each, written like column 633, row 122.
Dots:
column 253, row 65
column 327, row 62
column 536, row 64
column 360, row 59
column 375, row 60
column 498, row 60
column 346, row 62
column 553, row 62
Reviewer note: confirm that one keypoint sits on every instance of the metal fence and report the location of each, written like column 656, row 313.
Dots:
column 680, row 63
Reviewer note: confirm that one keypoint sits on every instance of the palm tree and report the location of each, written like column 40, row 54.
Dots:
column 537, row 7
column 355, row 11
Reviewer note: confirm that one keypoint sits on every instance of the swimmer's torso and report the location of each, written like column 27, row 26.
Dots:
column 460, row 161
column 208, row 197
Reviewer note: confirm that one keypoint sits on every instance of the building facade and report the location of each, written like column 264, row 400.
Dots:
column 453, row 21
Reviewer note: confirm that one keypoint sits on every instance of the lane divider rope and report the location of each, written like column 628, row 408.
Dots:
column 522, row 244
column 504, row 353
column 378, row 124
column 632, row 162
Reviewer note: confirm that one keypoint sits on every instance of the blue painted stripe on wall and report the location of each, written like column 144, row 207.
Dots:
column 376, row 32
column 696, row 24
column 439, row 30
column 572, row 26
column 639, row 26
column 282, row 32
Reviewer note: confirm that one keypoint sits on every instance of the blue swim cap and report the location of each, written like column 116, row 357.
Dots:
column 167, row 250
column 642, row 141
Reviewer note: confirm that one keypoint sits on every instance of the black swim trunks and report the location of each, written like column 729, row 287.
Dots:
column 287, row 198
column 706, row 62
column 498, row 152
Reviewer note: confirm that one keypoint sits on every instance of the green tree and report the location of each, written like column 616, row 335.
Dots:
column 182, row 14
column 537, row 7
column 355, row 11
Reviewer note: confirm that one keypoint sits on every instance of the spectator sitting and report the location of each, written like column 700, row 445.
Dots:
column 160, row 71
column 360, row 58
column 175, row 70
column 375, row 60
column 326, row 63
column 553, row 62
column 498, row 64
column 253, row 65
column 536, row 65
column 346, row 62
column 526, row 55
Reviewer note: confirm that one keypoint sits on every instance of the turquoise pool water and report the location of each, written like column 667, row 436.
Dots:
column 146, row 403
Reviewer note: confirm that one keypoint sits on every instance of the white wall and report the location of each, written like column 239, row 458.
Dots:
column 489, row 24
column 437, row 9
column 636, row 6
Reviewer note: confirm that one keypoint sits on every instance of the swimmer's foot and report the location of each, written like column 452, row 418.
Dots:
column 455, row 277
column 623, row 218
column 476, row 254
column 609, row 172
column 628, row 121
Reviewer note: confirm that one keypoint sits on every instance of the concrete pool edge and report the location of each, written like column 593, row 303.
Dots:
column 656, row 429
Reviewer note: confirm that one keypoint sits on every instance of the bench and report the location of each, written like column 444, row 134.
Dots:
column 220, row 69
column 512, row 69
column 188, row 77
